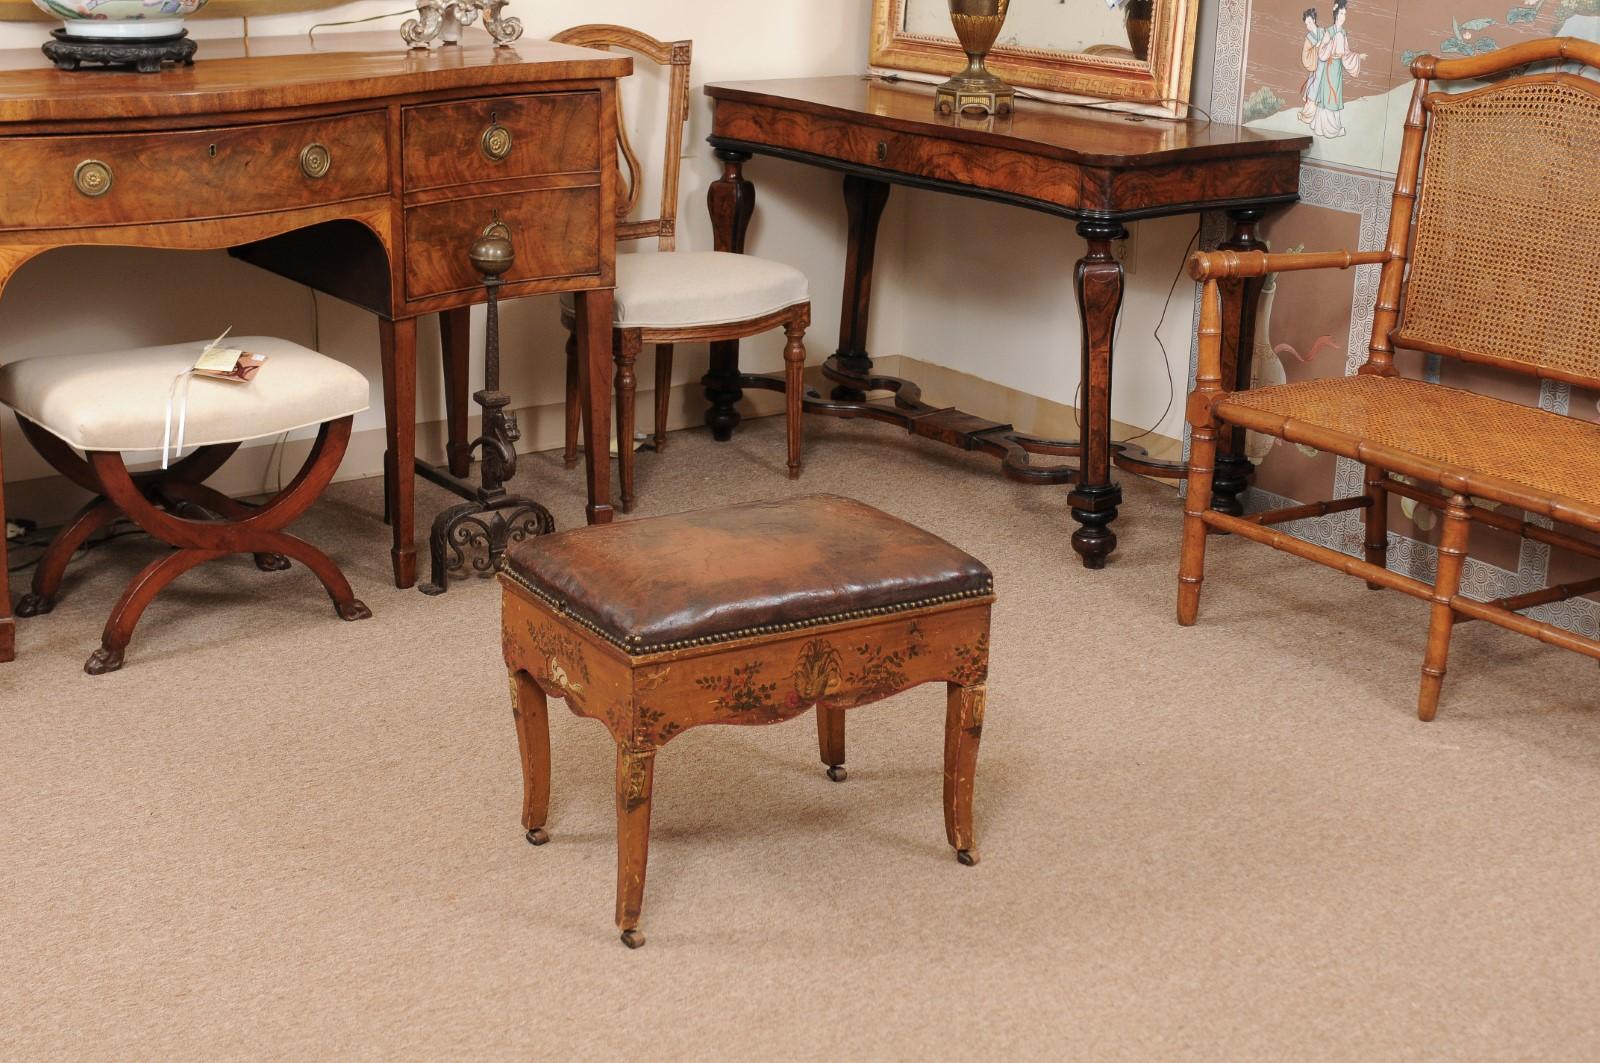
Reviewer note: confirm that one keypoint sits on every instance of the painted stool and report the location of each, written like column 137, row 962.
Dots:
column 111, row 403
column 743, row 615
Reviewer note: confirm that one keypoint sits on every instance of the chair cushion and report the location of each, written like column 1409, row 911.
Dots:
column 716, row 574
column 117, row 400
column 683, row 289
column 1503, row 451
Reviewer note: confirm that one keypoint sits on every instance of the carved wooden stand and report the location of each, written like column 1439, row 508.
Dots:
column 490, row 519
column 649, row 699
column 147, row 55
column 1098, row 283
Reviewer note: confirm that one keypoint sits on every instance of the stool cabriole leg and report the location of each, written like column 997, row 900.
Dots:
column 530, row 708
column 963, row 727
column 635, row 777
column 830, row 741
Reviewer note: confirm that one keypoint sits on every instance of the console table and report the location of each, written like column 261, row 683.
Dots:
column 352, row 164
column 1098, row 168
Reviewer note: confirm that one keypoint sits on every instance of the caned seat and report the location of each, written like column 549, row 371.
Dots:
column 1511, row 453
column 745, row 615
column 1494, row 230
column 112, row 403
column 691, row 288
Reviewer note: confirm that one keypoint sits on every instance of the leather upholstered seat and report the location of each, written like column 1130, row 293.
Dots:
column 708, row 576
column 678, row 289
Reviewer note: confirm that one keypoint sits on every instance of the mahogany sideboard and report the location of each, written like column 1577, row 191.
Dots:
column 1098, row 168
column 352, row 164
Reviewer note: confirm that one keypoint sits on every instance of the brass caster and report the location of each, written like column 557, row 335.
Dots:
column 272, row 562
column 356, row 610
column 537, row 836
column 837, row 773
column 632, row 938
column 967, row 857
column 102, row 661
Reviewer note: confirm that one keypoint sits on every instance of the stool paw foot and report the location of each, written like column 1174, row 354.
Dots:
column 102, row 661
column 272, row 562
column 967, row 857
column 837, row 773
column 355, row 609
column 537, row 836
column 35, row 605
column 632, row 938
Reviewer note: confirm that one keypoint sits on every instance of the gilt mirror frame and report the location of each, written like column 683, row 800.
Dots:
column 1158, row 86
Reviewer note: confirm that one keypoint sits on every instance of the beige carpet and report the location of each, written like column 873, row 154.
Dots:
column 273, row 835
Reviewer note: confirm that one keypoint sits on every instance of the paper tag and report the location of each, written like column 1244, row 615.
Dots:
column 218, row 359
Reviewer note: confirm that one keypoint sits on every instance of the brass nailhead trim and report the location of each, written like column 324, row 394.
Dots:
column 634, row 645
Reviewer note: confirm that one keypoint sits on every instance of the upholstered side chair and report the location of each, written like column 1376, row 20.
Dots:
column 670, row 296
column 1493, row 239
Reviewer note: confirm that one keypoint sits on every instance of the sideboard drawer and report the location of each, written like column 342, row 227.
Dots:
column 81, row 181
column 509, row 136
column 554, row 231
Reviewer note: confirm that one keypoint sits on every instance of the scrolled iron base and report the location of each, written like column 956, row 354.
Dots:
column 472, row 538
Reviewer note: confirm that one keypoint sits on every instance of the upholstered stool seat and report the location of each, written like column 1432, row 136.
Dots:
column 108, row 404
column 742, row 615
column 676, row 289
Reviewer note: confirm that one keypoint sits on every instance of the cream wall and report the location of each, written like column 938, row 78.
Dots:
column 1014, row 323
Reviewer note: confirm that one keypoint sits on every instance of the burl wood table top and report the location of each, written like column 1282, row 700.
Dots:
column 1074, row 134
column 268, row 73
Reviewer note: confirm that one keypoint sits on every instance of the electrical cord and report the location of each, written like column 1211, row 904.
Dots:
column 1166, row 362
column 120, row 528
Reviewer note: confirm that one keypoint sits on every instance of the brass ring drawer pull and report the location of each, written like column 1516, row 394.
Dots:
column 315, row 160
column 496, row 142
column 92, row 178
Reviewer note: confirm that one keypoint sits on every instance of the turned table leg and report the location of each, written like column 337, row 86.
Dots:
column 398, row 343
column 1095, row 498
column 830, row 741
column 731, row 201
column 594, row 311
column 864, row 201
column 1239, row 302
column 636, row 769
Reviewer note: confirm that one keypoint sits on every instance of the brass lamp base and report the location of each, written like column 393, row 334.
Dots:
column 985, row 93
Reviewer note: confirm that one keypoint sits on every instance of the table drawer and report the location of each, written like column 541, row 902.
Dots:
column 509, row 136
column 555, row 231
column 80, row 181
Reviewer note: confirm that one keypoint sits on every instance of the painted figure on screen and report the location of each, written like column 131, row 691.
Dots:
column 1333, row 60
column 1308, row 59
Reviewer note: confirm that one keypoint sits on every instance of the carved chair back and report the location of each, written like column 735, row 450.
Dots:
column 673, row 54
column 1496, row 196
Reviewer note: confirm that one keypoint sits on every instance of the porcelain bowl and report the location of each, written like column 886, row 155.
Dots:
column 121, row 19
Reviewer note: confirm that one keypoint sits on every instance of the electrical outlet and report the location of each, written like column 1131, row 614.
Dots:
column 1126, row 250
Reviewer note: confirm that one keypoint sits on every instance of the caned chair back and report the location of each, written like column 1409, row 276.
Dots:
column 1505, row 237
column 673, row 54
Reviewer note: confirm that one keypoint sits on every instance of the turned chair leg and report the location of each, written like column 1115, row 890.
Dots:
column 794, row 366
column 663, row 392
column 830, row 741
column 52, row 567
column 1192, row 560
column 635, row 777
column 1376, row 541
column 1452, row 556
column 626, row 346
column 569, row 455
column 963, row 727
column 530, row 708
